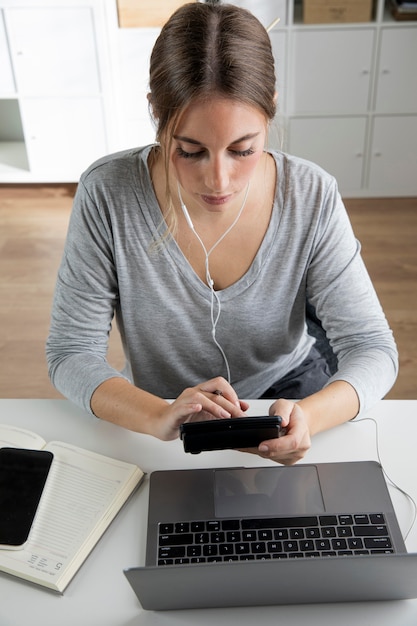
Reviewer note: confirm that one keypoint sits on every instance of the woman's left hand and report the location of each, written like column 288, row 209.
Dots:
column 291, row 447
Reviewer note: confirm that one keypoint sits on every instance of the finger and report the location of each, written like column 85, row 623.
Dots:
column 244, row 405
column 221, row 400
column 220, row 387
column 284, row 408
column 217, row 408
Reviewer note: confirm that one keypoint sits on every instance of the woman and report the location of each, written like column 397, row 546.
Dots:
column 207, row 248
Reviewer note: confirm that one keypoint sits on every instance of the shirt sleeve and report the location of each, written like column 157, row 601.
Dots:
column 85, row 299
column 340, row 289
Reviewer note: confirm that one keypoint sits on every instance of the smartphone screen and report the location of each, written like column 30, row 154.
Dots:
column 23, row 475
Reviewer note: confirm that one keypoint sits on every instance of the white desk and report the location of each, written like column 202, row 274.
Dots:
column 100, row 595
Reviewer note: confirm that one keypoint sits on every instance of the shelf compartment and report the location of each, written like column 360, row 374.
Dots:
column 13, row 154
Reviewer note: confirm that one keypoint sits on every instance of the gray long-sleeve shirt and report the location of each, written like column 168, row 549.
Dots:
column 111, row 265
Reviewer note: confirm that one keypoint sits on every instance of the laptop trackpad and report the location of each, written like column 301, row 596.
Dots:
column 249, row 492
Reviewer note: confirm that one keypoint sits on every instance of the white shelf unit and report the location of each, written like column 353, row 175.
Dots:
column 55, row 88
column 351, row 100
column 73, row 87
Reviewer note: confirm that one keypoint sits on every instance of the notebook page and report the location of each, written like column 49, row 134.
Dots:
column 12, row 436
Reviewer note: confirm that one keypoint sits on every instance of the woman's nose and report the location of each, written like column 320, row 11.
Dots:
column 217, row 175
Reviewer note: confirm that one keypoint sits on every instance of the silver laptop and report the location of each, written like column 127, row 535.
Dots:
column 309, row 533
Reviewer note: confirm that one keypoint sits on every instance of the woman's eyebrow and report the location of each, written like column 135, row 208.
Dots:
column 198, row 143
column 187, row 140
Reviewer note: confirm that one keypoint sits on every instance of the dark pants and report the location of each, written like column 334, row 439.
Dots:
column 302, row 381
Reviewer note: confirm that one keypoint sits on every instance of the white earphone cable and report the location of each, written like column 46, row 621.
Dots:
column 214, row 297
column 407, row 495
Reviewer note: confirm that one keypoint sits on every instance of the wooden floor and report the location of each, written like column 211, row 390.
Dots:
column 33, row 223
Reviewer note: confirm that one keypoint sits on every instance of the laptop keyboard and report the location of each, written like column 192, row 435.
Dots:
column 272, row 538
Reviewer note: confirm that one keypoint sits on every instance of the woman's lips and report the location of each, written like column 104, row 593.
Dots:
column 215, row 200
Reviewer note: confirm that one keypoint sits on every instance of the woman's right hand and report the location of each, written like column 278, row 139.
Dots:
column 213, row 399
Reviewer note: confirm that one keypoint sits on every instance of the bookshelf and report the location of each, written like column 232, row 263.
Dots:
column 351, row 100
column 54, row 86
column 347, row 93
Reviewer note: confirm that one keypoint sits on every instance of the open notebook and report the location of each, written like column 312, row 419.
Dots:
column 83, row 494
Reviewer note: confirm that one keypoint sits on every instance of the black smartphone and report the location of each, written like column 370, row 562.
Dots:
column 237, row 432
column 23, row 475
